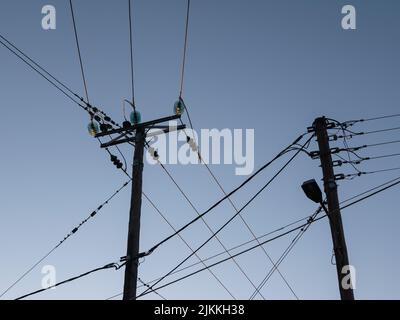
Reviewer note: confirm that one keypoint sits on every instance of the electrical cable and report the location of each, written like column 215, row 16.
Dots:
column 205, row 222
column 234, row 216
column 225, row 197
column 302, row 148
column 131, row 51
column 390, row 182
column 271, row 239
column 73, row 231
column 114, row 265
column 36, row 69
column 188, row 246
column 285, row 253
column 79, row 52
column 184, row 49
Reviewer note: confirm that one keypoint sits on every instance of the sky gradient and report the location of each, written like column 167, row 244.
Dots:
column 271, row 66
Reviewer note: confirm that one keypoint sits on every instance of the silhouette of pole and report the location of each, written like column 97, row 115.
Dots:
column 335, row 221
column 136, row 133
column 131, row 269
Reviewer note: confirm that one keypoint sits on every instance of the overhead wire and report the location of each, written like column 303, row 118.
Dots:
column 71, row 233
column 302, row 148
column 286, row 253
column 235, row 215
column 250, row 178
column 184, row 50
column 205, row 223
column 224, row 252
column 188, row 245
column 79, row 52
column 113, row 265
column 198, row 151
column 272, row 239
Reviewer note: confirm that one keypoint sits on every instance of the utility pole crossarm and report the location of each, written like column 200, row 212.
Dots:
column 129, row 129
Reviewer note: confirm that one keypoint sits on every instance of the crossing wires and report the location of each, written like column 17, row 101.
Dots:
column 79, row 52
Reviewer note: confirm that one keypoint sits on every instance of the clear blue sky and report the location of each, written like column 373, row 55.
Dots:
column 269, row 65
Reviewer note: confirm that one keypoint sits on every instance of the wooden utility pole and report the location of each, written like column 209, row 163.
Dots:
column 335, row 219
column 132, row 253
column 136, row 134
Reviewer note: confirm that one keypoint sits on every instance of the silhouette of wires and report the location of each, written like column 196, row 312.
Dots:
column 131, row 52
column 235, row 215
column 379, row 189
column 71, row 233
column 257, row 239
column 294, row 147
column 286, row 253
column 79, row 52
column 113, row 265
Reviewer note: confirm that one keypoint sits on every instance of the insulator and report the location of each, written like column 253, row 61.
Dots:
column 179, row 107
column 119, row 165
column 103, row 127
column 93, row 128
column 135, row 117
column 126, row 124
column 97, row 118
column 106, row 118
column 155, row 155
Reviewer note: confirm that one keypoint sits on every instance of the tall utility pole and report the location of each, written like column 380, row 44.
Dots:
column 136, row 134
column 320, row 127
column 131, row 268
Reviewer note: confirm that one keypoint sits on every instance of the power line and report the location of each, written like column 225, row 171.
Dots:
column 234, row 216
column 206, row 224
column 79, row 52
column 353, row 122
column 114, row 265
column 71, row 233
column 187, row 245
column 36, row 69
column 248, row 226
column 362, row 159
column 272, row 232
column 258, row 238
column 354, row 175
column 180, row 236
column 383, row 156
column 223, row 252
column 271, row 239
column 231, row 202
column 131, row 51
column 37, row 65
column 146, row 285
column 383, row 143
column 363, row 133
column 221, row 261
column 184, row 49
column 285, row 253
column 225, row 197
column 60, row 86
